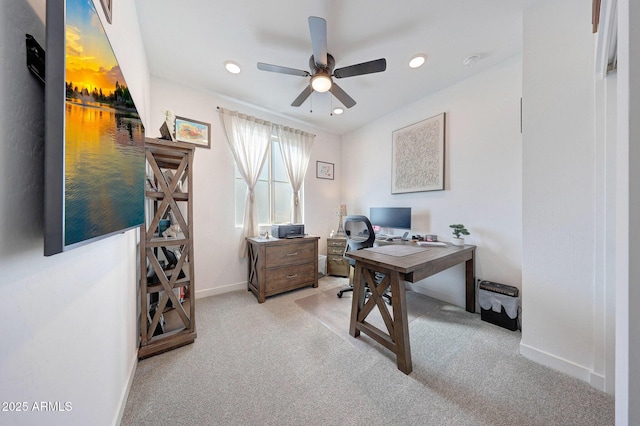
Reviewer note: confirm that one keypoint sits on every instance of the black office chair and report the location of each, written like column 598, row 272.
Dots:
column 360, row 234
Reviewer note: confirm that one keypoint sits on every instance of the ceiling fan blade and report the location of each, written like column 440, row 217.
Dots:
column 302, row 96
column 342, row 96
column 318, row 29
column 282, row 70
column 370, row 67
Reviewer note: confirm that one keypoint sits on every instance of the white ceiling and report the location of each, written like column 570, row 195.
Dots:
column 188, row 41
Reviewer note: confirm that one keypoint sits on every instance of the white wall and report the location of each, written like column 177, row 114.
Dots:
column 482, row 174
column 68, row 321
column 568, row 307
column 218, row 268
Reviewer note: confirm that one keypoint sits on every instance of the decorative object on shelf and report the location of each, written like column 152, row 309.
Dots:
column 168, row 128
column 107, row 6
column 324, row 170
column 193, row 131
column 171, row 231
column 342, row 211
column 458, row 230
column 163, row 225
column 418, row 156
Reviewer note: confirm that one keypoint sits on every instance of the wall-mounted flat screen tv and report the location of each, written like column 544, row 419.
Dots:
column 94, row 138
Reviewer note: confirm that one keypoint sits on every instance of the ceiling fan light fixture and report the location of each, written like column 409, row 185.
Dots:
column 338, row 111
column 232, row 66
column 321, row 82
column 417, row 60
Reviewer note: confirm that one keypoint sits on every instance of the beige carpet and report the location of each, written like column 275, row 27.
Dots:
column 291, row 361
column 335, row 313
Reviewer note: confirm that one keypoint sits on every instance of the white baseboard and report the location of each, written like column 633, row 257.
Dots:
column 597, row 381
column 220, row 290
column 562, row 365
column 125, row 391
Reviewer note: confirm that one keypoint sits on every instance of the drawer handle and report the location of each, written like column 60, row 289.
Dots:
column 292, row 276
column 292, row 254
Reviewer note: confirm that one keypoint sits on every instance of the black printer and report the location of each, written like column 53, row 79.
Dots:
column 288, row 230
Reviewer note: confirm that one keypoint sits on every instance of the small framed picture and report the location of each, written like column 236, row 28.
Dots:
column 193, row 131
column 107, row 6
column 324, row 170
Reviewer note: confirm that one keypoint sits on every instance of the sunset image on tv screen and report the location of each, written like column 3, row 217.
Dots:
column 104, row 136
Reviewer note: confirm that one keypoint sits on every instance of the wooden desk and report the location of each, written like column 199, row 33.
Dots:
column 399, row 263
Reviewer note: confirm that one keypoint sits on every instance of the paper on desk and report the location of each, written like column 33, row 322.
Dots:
column 398, row 250
column 431, row 243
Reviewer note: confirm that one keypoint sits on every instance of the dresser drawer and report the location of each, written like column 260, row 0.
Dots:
column 337, row 265
column 286, row 278
column 287, row 254
column 336, row 242
column 335, row 251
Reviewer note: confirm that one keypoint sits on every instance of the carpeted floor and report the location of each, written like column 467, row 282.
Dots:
column 291, row 361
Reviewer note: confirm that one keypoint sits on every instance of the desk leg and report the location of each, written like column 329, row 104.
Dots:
column 358, row 299
column 400, row 323
column 471, row 285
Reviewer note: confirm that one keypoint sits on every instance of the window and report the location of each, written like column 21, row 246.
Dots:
column 273, row 191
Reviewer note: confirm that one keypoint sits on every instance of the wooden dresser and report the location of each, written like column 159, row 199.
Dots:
column 336, row 263
column 277, row 265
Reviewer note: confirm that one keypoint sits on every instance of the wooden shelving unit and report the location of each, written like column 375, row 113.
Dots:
column 167, row 280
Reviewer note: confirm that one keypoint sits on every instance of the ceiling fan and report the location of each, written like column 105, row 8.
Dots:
column 321, row 65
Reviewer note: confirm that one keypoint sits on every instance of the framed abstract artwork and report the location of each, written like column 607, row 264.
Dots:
column 418, row 156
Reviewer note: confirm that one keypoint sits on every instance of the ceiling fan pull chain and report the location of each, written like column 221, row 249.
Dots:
column 331, row 106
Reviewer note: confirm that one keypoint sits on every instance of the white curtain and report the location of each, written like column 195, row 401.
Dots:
column 249, row 139
column 295, row 146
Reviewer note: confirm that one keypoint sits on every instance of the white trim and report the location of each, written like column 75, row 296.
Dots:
column 125, row 393
column 221, row 290
column 562, row 365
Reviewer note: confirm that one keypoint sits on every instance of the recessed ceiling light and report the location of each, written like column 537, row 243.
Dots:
column 338, row 111
column 468, row 62
column 232, row 66
column 417, row 60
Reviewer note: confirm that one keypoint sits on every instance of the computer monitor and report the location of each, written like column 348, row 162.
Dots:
column 391, row 217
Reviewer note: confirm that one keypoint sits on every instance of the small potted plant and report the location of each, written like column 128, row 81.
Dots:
column 458, row 230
